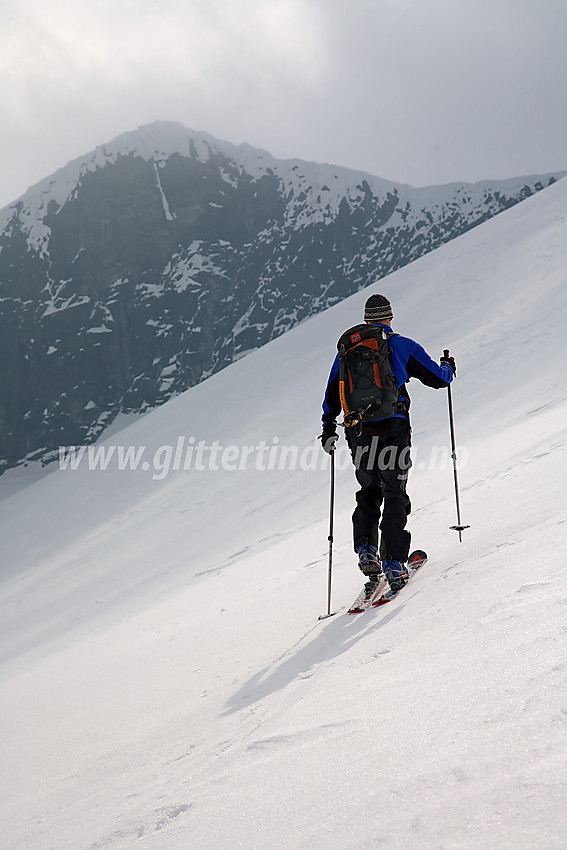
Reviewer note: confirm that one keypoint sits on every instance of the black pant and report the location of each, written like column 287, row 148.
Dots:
column 382, row 463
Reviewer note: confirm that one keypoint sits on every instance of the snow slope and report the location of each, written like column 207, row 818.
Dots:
column 165, row 680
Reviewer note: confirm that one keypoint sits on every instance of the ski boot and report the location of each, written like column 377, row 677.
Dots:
column 368, row 562
column 396, row 573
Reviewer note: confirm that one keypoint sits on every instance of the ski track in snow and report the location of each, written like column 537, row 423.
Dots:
column 165, row 680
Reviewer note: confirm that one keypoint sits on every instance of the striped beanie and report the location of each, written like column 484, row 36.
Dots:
column 377, row 308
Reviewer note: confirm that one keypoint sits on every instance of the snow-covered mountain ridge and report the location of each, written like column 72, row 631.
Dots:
column 162, row 256
column 165, row 681
column 323, row 186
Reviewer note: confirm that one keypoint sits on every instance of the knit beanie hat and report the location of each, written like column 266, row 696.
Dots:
column 377, row 308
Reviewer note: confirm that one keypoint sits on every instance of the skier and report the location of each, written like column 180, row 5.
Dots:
column 381, row 452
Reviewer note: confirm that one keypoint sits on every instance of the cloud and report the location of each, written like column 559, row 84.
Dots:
column 61, row 46
column 413, row 91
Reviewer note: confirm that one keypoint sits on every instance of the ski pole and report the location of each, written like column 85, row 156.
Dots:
column 459, row 527
column 330, row 538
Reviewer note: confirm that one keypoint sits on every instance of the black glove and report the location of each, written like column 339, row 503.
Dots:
column 449, row 361
column 329, row 438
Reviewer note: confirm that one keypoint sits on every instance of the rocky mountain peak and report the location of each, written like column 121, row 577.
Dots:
column 155, row 260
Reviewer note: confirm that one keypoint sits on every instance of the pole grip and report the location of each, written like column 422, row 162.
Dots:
column 445, row 352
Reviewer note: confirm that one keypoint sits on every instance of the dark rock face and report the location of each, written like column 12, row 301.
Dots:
column 144, row 267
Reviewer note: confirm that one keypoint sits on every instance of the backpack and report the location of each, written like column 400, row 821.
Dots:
column 368, row 388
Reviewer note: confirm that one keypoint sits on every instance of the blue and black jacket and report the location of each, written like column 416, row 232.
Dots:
column 408, row 360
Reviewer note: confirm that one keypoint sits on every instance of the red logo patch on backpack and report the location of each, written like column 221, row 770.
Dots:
column 355, row 338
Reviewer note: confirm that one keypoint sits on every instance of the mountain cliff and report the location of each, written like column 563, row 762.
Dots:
column 152, row 262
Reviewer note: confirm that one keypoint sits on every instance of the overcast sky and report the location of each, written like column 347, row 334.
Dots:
column 417, row 91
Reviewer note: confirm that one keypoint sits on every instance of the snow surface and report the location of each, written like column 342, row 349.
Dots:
column 165, row 680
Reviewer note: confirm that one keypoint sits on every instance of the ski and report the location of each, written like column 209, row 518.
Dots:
column 382, row 593
column 362, row 601
column 415, row 561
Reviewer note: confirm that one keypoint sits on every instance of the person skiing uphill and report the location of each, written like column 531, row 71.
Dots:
column 378, row 432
